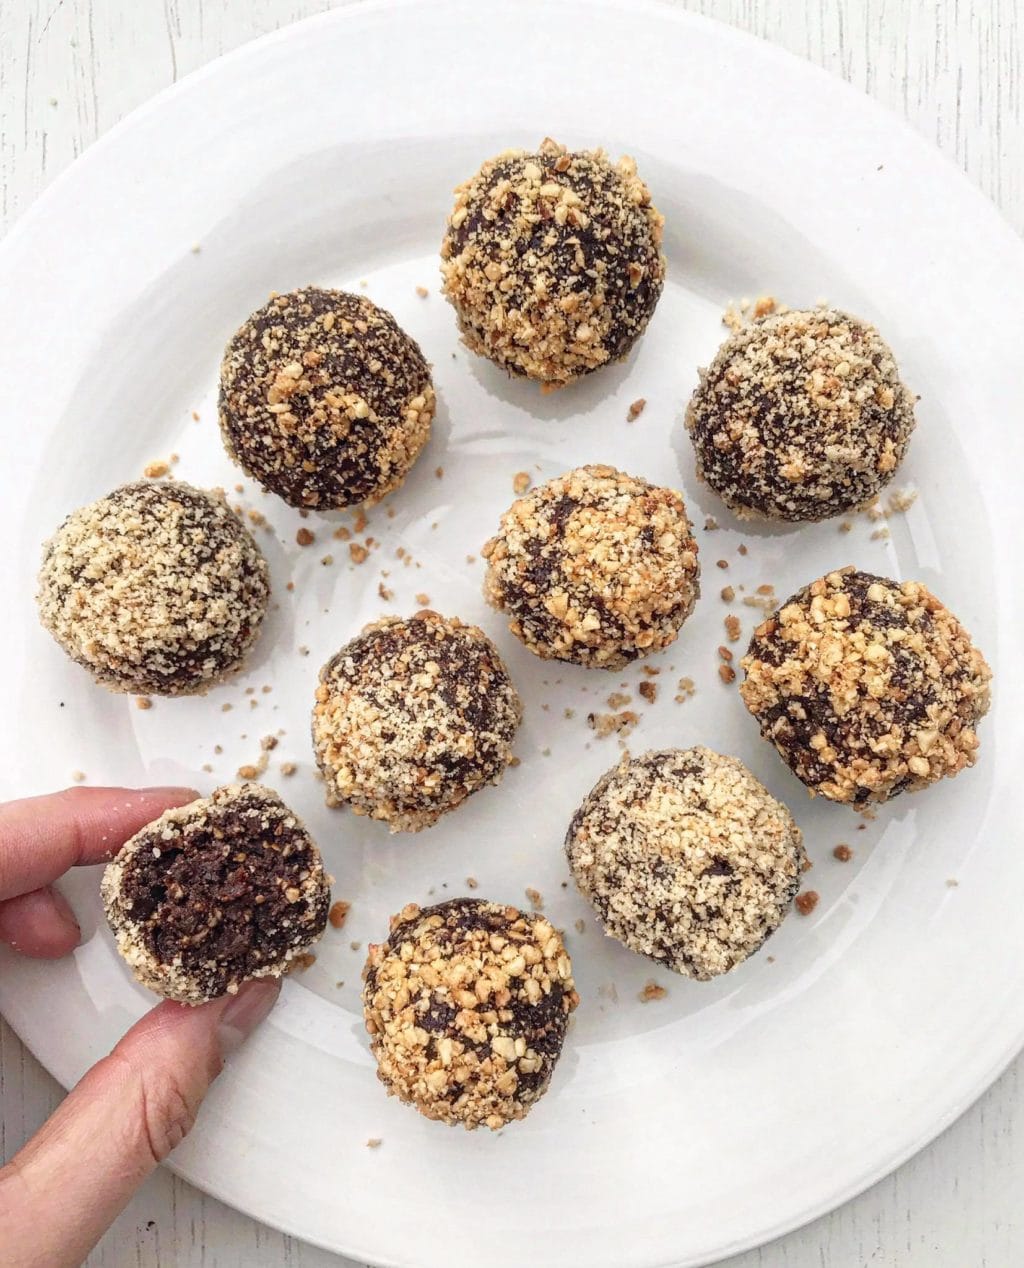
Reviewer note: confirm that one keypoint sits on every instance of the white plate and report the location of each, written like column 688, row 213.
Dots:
column 723, row 1114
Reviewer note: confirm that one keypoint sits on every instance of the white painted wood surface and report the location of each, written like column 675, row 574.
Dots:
column 69, row 69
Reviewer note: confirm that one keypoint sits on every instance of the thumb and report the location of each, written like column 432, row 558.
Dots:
column 59, row 1193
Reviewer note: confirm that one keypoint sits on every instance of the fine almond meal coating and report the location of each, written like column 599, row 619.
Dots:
column 867, row 687
column 413, row 716
column 324, row 399
column 686, row 858
column 594, row 567
column 227, row 888
column 800, row 416
column 156, row 588
column 553, row 261
column 467, row 1005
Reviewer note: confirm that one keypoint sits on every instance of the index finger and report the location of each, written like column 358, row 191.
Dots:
column 41, row 837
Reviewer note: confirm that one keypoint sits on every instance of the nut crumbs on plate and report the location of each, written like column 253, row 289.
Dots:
column 806, row 902
column 636, row 409
column 651, row 991
column 338, row 913
column 521, row 481
column 304, row 537
column 843, row 853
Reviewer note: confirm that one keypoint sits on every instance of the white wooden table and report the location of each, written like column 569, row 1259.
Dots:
column 69, row 69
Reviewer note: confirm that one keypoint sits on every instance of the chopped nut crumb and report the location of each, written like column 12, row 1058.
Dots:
column 652, row 991
column 268, row 742
column 807, row 901
column 304, row 537
column 685, row 689
column 155, row 470
column 901, row 500
column 605, row 724
column 649, row 691
column 374, row 1142
column 439, row 472
column 725, row 653
column 952, row 883
column 732, row 628
column 342, row 534
column 78, row 776
column 338, row 913
column 619, row 698
column 423, row 600
column 727, row 673
column 386, row 594
column 580, row 925
column 636, row 409
column 536, row 898
column 288, row 768
column 359, row 553
column 710, row 523
column 728, row 594
column 521, row 481
column 248, row 772
column 360, row 520
column 471, row 882
column 143, row 702
column 845, row 526
column 327, row 560
column 722, row 563
column 301, row 962
column 422, row 292
column 843, row 853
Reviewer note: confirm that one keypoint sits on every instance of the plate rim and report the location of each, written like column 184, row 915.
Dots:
column 664, row 9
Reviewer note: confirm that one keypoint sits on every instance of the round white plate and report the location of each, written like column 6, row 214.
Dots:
column 678, row 1130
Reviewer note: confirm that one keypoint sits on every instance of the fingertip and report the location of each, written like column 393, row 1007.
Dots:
column 244, row 1012
column 40, row 924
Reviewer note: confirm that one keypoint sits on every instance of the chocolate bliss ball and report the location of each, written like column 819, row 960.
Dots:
column 866, row 687
column 686, row 858
column 552, row 261
column 595, row 567
column 800, row 416
column 412, row 717
column 227, row 888
column 324, row 399
column 467, row 1005
column 155, row 588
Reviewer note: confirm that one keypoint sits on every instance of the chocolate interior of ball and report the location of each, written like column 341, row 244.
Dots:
column 228, row 897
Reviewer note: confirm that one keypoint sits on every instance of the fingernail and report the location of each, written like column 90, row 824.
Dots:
column 173, row 792
column 62, row 909
column 244, row 1012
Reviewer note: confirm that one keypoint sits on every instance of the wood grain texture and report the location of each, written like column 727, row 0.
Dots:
column 69, row 69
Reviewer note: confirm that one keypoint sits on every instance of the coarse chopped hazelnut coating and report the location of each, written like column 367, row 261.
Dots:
column 412, row 717
column 800, row 416
column 867, row 687
column 156, row 588
column 467, row 1005
column 594, row 567
column 227, row 888
column 324, row 399
column 686, row 858
column 553, row 261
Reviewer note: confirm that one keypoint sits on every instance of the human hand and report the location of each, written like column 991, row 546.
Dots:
column 61, row 1191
